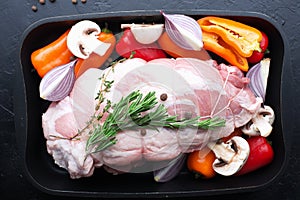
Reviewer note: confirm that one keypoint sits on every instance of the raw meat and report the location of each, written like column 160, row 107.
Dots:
column 83, row 96
column 60, row 127
column 193, row 88
column 70, row 154
column 59, row 121
column 243, row 104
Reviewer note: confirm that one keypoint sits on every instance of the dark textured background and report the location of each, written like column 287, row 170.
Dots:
column 16, row 16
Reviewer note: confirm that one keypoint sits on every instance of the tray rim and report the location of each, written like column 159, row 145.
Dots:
column 21, row 120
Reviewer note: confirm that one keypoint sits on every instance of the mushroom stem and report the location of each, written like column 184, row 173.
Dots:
column 263, row 126
column 92, row 44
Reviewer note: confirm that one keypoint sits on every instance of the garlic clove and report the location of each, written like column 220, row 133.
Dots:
column 58, row 82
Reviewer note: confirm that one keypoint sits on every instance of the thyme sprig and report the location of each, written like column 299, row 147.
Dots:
column 136, row 111
column 105, row 87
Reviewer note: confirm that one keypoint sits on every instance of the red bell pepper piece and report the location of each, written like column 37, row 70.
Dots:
column 261, row 154
column 128, row 44
column 258, row 56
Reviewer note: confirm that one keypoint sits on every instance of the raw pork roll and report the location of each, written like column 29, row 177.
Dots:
column 187, row 87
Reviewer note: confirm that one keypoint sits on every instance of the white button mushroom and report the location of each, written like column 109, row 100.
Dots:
column 261, row 123
column 230, row 156
column 82, row 40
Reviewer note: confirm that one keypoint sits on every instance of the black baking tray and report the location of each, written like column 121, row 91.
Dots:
column 45, row 175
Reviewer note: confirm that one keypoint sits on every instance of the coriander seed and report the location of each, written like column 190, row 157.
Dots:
column 34, row 8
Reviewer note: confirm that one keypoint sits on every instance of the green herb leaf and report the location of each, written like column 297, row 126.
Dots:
column 136, row 112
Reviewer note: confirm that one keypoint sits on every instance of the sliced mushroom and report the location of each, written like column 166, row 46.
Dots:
column 261, row 124
column 230, row 156
column 82, row 40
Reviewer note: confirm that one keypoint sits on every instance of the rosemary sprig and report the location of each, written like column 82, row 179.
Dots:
column 136, row 111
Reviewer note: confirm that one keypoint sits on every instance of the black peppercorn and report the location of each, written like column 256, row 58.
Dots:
column 163, row 97
column 143, row 132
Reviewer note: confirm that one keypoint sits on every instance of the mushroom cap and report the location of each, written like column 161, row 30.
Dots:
column 81, row 36
column 242, row 150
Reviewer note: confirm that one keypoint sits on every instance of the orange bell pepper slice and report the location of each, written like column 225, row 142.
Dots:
column 94, row 60
column 214, row 43
column 243, row 38
column 52, row 55
column 201, row 163
column 176, row 51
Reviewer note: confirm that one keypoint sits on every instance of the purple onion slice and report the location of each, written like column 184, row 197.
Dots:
column 184, row 31
column 171, row 170
column 258, row 75
column 58, row 82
